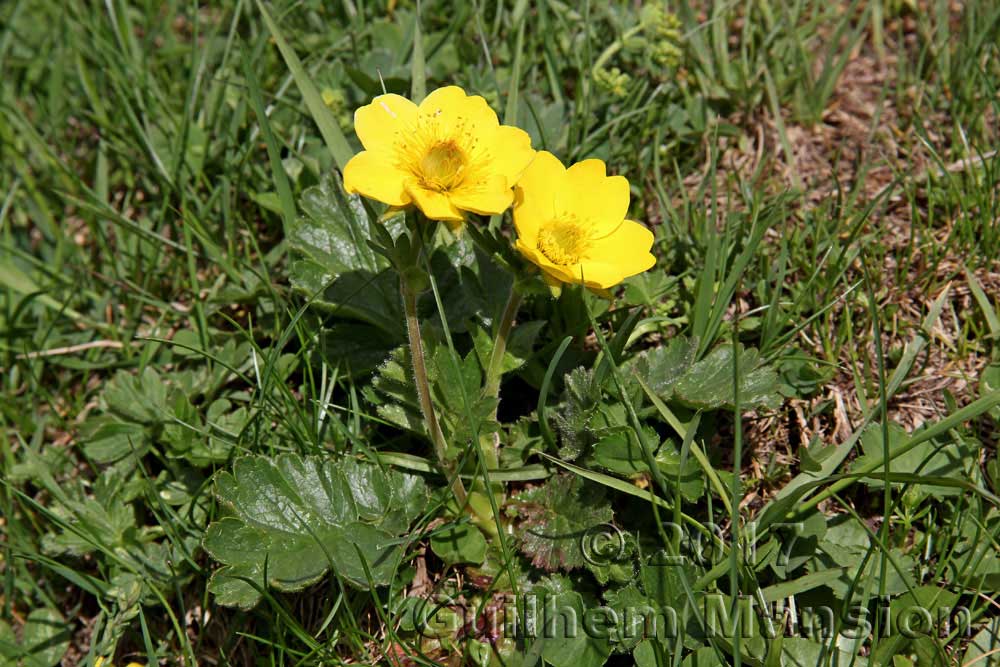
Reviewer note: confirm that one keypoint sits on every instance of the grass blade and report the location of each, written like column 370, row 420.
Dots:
column 273, row 151
column 321, row 115
column 418, row 68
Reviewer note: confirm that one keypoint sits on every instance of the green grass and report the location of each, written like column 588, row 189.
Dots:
column 158, row 322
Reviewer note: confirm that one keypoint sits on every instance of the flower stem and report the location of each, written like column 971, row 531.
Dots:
column 495, row 370
column 424, row 391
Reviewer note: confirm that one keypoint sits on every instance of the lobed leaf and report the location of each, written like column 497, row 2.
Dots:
column 297, row 517
column 558, row 519
column 672, row 372
column 334, row 262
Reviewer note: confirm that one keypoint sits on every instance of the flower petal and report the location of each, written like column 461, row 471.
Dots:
column 380, row 123
column 598, row 275
column 488, row 197
column 594, row 196
column 510, row 152
column 592, row 170
column 589, row 274
column 628, row 247
column 435, row 205
column 454, row 109
column 533, row 255
column 594, row 275
column 374, row 176
column 535, row 195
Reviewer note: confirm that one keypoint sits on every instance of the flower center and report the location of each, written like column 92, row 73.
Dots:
column 563, row 242
column 443, row 166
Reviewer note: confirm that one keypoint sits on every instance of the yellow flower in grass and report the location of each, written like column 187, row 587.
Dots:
column 100, row 662
column 571, row 224
column 446, row 156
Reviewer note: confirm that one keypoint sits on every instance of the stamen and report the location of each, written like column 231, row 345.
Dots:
column 442, row 167
column 563, row 241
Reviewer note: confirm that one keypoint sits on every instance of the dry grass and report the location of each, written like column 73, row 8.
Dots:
column 865, row 147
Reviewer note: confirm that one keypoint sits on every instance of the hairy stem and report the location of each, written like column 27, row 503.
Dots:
column 424, row 391
column 495, row 370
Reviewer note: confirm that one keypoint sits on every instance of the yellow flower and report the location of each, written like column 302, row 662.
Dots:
column 571, row 223
column 100, row 663
column 448, row 155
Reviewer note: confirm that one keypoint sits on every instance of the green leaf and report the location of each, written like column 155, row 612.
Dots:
column 418, row 72
column 8, row 645
column 627, row 602
column 456, row 383
column 455, row 389
column 813, row 454
column 975, row 562
column 800, row 652
column 204, row 442
column 558, row 519
column 46, row 638
column 334, row 262
column 519, row 345
column 577, row 420
column 687, row 474
column 107, row 440
column 613, row 555
column 619, row 450
column 298, row 517
column 804, row 377
column 393, row 394
column 471, row 286
column 619, row 485
column 459, row 543
column 793, row 587
column 645, row 654
column 356, row 348
column 709, row 383
column 164, row 141
column 673, row 374
column 663, row 581
column 845, row 545
column 286, row 205
column 663, row 367
column 984, row 649
column 561, row 643
column 703, row 657
column 224, row 424
column 335, row 229
column 991, row 315
column 797, row 543
column 650, row 289
column 139, row 398
column 946, row 457
column 93, row 523
column 544, row 121
column 915, row 618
